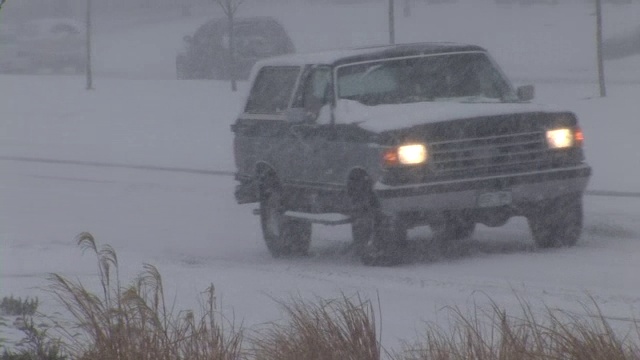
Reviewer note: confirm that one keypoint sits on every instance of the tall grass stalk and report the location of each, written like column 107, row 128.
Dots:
column 134, row 323
column 492, row 334
column 339, row 329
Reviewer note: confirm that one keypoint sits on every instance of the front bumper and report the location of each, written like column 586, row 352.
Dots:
column 525, row 188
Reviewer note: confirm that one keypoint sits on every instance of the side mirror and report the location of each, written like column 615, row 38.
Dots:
column 296, row 115
column 526, row 92
column 187, row 39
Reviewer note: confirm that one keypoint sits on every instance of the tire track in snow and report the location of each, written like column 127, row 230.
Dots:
column 116, row 165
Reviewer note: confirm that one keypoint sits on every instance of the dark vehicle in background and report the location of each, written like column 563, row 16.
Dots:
column 56, row 45
column 394, row 137
column 207, row 51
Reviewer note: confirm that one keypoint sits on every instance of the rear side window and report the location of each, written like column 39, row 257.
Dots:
column 272, row 90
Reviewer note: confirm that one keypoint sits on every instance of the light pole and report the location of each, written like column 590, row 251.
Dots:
column 392, row 27
column 89, row 74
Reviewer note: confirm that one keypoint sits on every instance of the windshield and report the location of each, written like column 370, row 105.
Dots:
column 461, row 77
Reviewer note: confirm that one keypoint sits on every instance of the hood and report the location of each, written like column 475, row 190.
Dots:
column 381, row 118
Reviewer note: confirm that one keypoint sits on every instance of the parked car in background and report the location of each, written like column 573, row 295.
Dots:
column 56, row 45
column 207, row 57
column 394, row 137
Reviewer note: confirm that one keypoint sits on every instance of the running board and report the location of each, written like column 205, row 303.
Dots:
column 324, row 219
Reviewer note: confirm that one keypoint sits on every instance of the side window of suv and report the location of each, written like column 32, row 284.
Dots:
column 272, row 89
column 316, row 92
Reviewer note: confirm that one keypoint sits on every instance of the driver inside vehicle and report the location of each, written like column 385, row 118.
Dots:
column 317, row 94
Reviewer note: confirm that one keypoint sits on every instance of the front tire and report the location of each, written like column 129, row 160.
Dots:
column 362, row 214
column 557, row 223
column 283, row 236
column 378, row 239
column 387, row 243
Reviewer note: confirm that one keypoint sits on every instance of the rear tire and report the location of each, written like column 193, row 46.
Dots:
column 283, row 236
column 361, row 228
column 557, row 223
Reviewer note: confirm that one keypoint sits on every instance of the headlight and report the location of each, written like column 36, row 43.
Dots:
column 412, row 154
column 560, row 138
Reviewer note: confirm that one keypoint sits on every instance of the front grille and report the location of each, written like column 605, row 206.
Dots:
column 489, row 155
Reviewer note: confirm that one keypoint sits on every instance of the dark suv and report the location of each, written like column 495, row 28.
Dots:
column 393, row 137
column 207, row 56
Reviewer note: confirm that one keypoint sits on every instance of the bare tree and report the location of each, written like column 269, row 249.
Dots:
column 229, row 7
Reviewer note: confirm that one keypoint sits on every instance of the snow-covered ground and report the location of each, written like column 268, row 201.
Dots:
column 142, row 163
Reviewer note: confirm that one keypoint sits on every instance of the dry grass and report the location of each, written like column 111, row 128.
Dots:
column 134, row 323
column 494, row 335
column 340, row 329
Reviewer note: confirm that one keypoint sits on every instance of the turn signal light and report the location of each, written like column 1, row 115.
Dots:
column 579, row 136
